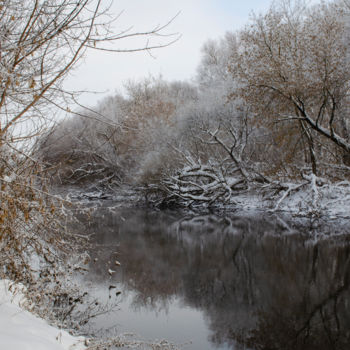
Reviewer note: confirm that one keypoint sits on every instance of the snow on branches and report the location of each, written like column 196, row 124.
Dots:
column 203, row 184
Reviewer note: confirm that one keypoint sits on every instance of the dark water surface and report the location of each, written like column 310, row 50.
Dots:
column 222, row 282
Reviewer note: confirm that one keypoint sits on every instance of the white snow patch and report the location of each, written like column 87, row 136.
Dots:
column 19, row 329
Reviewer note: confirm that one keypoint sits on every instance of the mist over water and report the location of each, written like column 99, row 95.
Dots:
column 242, row 281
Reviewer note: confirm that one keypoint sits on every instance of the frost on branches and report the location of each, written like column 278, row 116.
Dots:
column 36, row 248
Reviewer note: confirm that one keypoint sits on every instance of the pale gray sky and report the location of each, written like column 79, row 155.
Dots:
column 198, row 21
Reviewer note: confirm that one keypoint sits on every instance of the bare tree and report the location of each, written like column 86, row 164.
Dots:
column 41, row 42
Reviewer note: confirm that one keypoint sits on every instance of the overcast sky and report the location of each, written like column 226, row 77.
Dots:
column 198, row 21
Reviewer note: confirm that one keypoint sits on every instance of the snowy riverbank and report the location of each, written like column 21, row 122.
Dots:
column 19, row 329
column 311, row 198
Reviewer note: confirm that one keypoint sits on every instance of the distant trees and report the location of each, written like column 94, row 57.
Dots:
column 126, row 138
column 213, row 71
column 269, row 103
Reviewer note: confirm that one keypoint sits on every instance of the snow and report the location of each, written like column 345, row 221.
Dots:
column 19, row 329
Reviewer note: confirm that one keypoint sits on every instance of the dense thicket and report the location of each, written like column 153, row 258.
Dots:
column 268, row 104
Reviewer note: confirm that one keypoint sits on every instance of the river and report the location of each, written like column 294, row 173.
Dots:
column 206, row 282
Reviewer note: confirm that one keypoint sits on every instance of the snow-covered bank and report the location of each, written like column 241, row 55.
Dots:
column 297, row 199
column 21, row 330
column 310, row 197
column 313, row 197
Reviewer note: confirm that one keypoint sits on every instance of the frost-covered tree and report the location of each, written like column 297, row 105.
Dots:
column 214, row 69
column 151, row 124
column 293, row 70
column 214, row 133
column 125, row 140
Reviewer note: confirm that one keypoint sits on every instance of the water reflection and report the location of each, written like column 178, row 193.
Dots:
column 259, row 282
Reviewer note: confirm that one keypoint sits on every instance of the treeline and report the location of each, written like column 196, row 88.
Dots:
column 269, row 104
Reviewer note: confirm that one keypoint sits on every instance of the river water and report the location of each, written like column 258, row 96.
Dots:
column 238, row 281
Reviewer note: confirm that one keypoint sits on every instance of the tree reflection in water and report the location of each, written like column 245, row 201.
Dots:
column 260, row 281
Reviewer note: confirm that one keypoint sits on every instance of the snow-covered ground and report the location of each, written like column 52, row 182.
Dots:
column 21, row 330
